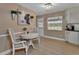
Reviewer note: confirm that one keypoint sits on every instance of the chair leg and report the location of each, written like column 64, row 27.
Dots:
column 26, row 50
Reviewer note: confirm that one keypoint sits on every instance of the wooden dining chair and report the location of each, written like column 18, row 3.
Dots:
column 17, row 45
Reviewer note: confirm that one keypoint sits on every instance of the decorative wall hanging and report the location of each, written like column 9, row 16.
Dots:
column 14, row 13
column 24, row 19
column 27, row 18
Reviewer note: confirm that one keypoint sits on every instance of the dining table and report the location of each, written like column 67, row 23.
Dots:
column 31, row 37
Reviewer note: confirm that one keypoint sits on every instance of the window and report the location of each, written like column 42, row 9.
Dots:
column 55, row 23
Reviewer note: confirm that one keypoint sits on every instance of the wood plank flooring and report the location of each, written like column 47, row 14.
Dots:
column 52, row 47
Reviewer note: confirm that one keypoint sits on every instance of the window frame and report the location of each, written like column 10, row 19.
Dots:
column 55, row 18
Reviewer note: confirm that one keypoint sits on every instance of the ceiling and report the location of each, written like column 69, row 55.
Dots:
column 36, row 7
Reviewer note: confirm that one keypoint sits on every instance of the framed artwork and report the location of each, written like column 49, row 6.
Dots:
column 24, row 19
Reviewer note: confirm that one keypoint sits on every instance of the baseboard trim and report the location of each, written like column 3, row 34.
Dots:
column 54, row 38
column 5, row 52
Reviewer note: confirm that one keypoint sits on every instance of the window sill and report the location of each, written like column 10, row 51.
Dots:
column 56, row 30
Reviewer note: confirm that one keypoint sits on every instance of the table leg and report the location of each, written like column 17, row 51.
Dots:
column 38, row 42
column 31, row 43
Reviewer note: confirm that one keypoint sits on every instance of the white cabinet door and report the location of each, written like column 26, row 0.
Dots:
column 72, row 37
column 67, row 33
column 72, row 15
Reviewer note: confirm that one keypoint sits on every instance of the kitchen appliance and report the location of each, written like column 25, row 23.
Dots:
column 70, row 27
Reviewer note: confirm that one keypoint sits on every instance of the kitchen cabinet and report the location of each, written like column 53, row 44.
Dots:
column 72, row 15
column 72, row 37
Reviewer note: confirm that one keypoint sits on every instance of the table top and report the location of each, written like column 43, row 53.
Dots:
column 30, row 35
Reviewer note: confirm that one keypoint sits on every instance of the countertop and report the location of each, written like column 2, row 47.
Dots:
column 73, row 30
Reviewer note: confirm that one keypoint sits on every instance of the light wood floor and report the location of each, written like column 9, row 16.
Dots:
column 52, row 47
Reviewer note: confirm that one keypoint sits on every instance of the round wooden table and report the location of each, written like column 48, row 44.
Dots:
column 30, row 37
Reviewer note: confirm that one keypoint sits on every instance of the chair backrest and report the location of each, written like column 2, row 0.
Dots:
column 12, row 35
